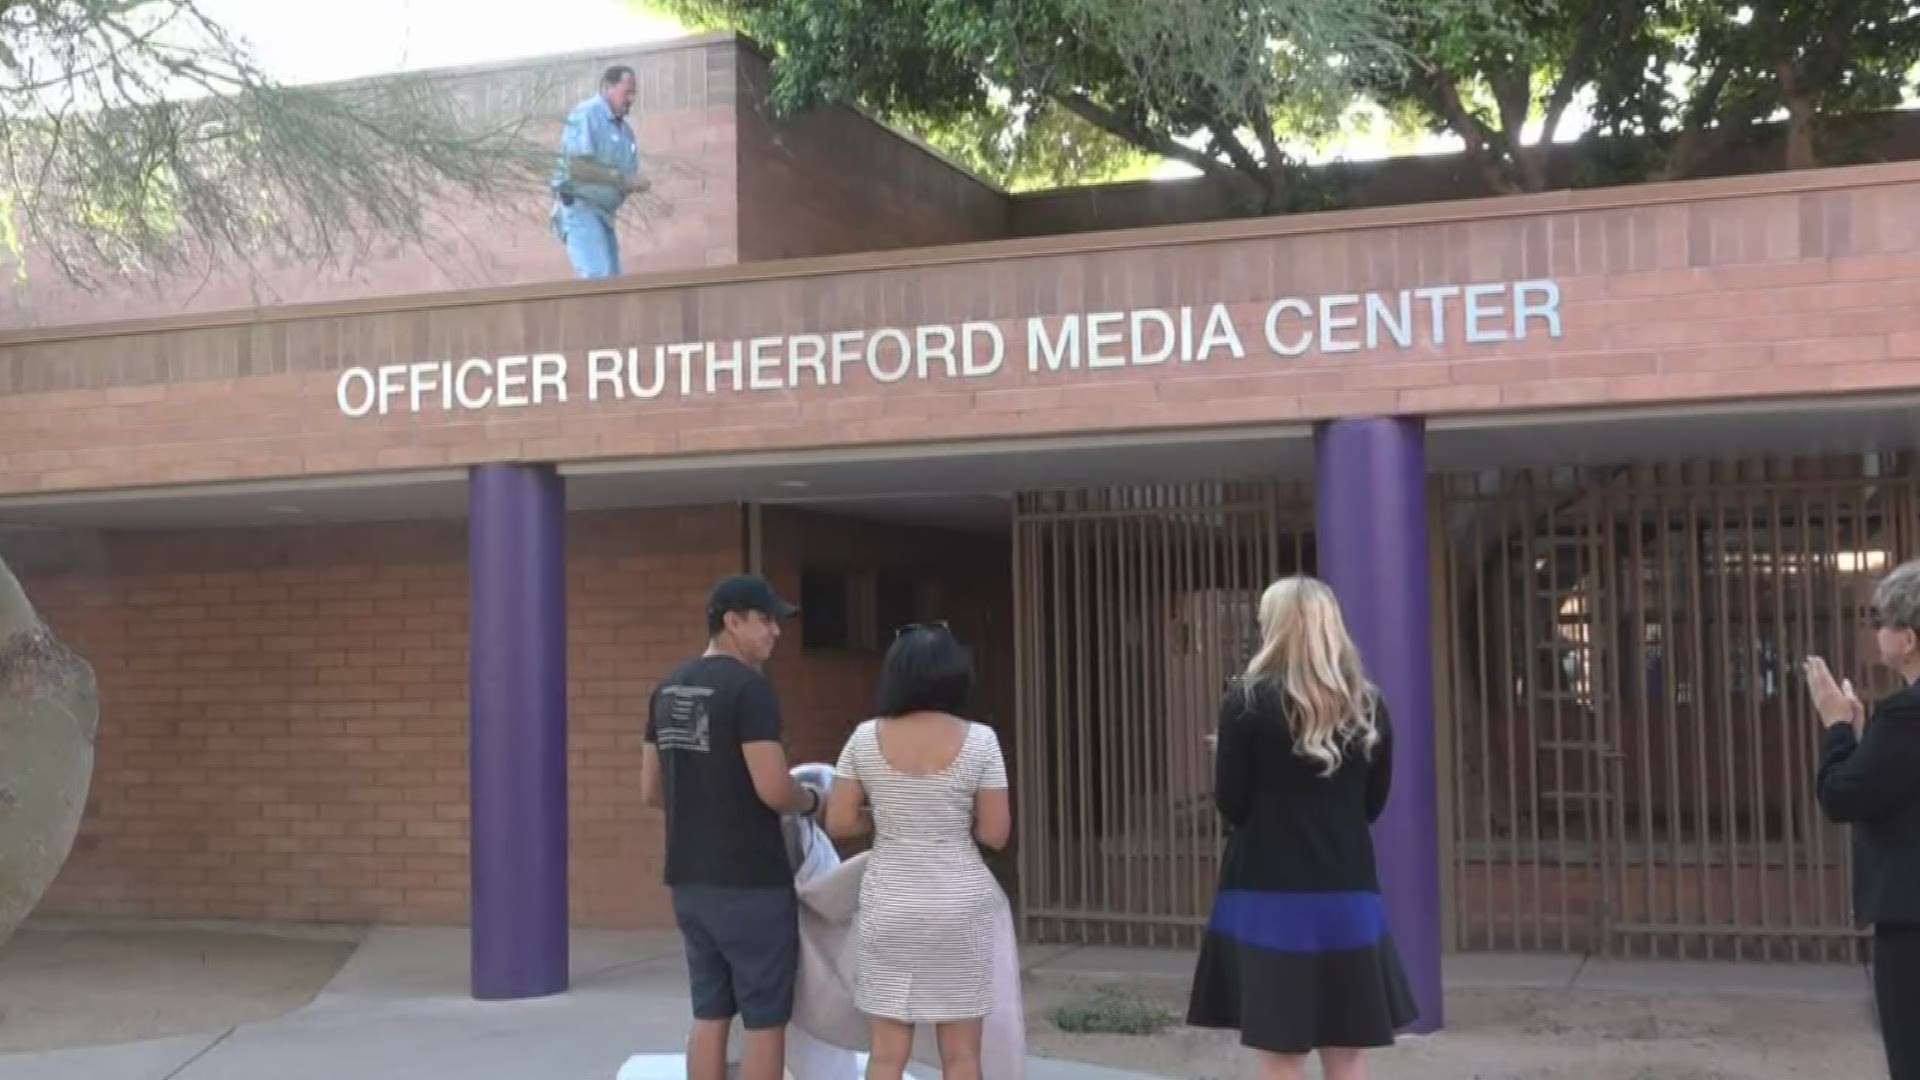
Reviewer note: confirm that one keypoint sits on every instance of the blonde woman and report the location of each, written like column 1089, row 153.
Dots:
column 1297, row 956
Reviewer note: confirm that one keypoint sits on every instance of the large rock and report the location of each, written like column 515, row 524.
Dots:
column 49, row 711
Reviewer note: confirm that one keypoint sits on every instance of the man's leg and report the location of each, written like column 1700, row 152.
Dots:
column 763, row 949
column 613, row 248
column 589, row 243
column 766, row 1056
column 707, row 1050
column 710, row 982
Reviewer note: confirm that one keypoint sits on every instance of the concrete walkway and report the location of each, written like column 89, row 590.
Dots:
column 1492, row 971
column 399, row 1010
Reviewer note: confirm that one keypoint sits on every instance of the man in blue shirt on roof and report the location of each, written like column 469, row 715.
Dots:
column 599, row 168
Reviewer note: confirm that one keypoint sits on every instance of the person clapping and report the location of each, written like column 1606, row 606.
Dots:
column 1869, row 778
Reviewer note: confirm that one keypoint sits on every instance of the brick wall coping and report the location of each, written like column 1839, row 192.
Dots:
column 1487, row 209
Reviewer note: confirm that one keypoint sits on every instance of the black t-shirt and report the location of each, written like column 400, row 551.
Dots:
column 718, row 830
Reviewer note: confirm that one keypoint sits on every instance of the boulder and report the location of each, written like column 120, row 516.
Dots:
column 49, row 712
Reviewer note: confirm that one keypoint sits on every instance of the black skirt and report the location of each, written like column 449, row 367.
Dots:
column 1295, row 971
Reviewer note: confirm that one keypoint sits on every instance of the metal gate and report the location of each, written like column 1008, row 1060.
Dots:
column 1632, row 747
column 1132, row 607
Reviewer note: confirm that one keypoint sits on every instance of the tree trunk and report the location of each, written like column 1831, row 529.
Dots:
column 1532, row 163
column 49, row 711
column 1801, row 121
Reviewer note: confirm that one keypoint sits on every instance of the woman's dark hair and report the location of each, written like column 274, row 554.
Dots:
column 927, row 669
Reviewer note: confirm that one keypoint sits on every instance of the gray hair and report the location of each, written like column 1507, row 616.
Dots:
column 1896, row 599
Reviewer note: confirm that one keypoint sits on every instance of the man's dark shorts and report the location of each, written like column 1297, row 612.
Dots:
column 743, row 952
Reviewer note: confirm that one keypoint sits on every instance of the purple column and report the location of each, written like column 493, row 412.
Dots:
column 517, row 734
column 1372, row 543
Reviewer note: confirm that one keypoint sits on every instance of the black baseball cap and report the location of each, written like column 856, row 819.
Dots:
column 748, row 592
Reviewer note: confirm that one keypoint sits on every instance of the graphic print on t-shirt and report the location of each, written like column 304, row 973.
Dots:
column 681, row 721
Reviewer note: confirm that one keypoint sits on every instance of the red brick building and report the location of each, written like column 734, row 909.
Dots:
column 1593, row 468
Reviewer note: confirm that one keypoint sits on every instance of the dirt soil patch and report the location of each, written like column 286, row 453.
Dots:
column 1511, row 1035
column 70, row 987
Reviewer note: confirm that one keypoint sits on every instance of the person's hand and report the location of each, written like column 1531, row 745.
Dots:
column 638, row 185
column 819, row 800
column 1835, row 702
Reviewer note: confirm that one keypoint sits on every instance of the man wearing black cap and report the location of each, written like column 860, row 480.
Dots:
column 714, row 762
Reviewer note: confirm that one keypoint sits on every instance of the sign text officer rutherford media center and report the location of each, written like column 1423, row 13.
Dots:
column 1439, row 315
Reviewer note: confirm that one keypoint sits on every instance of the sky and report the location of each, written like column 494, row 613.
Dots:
column 345, row 39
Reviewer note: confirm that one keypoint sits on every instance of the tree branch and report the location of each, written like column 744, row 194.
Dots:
column 1228, row 140
column 1276, row 158
column 141, row 135
column 1696, row 141
column 1114, row 124
column 1471, row 131
column 1533, row 160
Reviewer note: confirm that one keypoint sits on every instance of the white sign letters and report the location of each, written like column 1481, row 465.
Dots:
column 1290, row 327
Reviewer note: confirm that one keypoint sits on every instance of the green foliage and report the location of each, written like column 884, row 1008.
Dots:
column 1112, row 1013
column 1682, row 78
column 1749, row 62
column 1495, row 72
column 1033, row 92
column 1035, row 147
column 1074, row 89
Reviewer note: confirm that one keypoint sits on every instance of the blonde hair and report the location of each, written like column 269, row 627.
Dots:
column 1306, row 654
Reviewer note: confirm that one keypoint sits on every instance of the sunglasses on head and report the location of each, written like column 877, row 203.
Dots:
column 939, row 626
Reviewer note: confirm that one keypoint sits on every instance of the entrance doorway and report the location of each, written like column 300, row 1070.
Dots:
column 1633, row 750
column 1132, row 606
column 1627, row 749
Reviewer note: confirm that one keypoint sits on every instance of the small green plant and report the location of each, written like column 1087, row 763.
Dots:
column 1113, row 1014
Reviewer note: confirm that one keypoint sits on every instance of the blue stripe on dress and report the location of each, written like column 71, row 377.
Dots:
column 1299, row 922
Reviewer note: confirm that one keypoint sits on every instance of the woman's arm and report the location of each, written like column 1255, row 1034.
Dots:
column 1233, row 756
column 846, row 817
column 1380, row 767
column 1868, row 778
column 846, row 812
column 992, row 808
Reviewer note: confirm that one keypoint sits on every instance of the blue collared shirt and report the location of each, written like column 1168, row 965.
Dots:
column 593, row 131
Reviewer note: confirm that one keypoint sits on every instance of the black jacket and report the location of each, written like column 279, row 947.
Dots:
column 1290, row 828
column 1873, row 783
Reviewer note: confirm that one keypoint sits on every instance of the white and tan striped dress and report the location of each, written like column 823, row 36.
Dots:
column 925, row 927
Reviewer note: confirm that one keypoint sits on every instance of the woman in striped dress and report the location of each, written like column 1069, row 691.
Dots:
column 931, row 787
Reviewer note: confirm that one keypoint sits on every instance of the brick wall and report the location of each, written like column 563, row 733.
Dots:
column 825, row 694
column 832, row 181
column 282, row 724
column 284, row 714
column 637, row 589
column 1770, row 286
column 284, row 711
column 683, row 119
column 732, row 185
column 736, row 185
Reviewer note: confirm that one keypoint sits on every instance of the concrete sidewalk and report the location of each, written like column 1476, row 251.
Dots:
column 399, row 1010
column 1495, row 971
